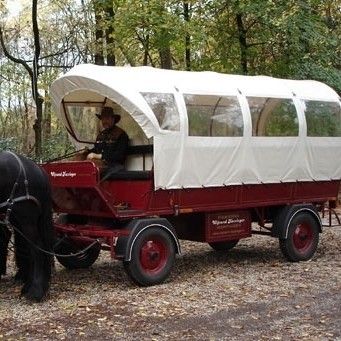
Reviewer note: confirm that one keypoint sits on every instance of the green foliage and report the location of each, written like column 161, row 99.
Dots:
column 288, row 39
column 323, row 119
column 282, row 121
column 57, row 145
column 10, row 143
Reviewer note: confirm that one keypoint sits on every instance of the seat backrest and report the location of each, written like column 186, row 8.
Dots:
column 139, row 157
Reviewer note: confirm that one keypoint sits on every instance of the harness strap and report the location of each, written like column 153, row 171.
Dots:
column 19, row 199
column 11, row 200
column 21, row 170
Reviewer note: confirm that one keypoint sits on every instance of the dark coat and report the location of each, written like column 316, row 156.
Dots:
column 112, row 143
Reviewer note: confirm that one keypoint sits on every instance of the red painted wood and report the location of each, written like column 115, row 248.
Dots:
column 136, row 198
column 230, row 225
column 72, row 174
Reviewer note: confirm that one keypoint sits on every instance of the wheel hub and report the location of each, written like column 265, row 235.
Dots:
column 302, row 237
column 153, row 255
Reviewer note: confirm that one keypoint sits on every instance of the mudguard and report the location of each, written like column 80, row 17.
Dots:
column 286, row 214
column 125, row 244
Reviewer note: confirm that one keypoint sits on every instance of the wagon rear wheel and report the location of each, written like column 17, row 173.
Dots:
column 302, row 240
column 152, row 257
column 81, row 261
column 224, row 246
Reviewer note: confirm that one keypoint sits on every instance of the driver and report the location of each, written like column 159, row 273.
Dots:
column 111, row 143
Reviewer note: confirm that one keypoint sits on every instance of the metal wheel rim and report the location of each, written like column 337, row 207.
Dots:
column 153, row 255
column 303, row 237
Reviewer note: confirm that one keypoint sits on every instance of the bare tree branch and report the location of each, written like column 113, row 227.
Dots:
column 59, row 53
column 57, row 66
column 11, row 57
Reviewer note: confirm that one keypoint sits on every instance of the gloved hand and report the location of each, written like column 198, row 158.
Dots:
column 94, row 156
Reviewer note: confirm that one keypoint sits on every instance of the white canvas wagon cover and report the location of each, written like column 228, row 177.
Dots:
column 184, row 157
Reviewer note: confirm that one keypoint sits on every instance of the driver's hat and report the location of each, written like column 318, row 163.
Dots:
column 108, row 111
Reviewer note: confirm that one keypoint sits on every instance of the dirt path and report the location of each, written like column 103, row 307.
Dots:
column 250, row 293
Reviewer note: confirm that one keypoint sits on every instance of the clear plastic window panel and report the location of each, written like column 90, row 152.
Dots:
column 165, row 110
column 214, row 115
column 84, row 121
column 273, row 116
column 323, row 118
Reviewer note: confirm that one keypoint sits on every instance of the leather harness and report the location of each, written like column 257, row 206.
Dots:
column 12, row 199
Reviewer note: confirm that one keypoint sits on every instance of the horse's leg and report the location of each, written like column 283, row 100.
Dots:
column 24, row 234
column 5, row 236
column 42, row 261
column 22, row 258
column 38, row 265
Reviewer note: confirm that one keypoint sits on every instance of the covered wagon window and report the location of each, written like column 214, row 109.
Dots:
column 323, row 118
column 214, row 115
column 165, row 109
column 273, row 116
column 83, row 120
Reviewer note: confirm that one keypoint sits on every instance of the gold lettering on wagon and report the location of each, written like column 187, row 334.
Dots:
column 229, row 225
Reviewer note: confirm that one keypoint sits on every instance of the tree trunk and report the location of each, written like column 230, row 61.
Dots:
column 99, row 34
column 109, row 34
column 187, row 38
column 163, row 38
column 37, row 126
column 164, row 50
column 242, row 43
column 146, row 51
column 35, row 73
column 165, row 57
column 47, row 121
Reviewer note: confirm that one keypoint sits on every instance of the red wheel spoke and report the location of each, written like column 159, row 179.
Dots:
column 153, row 255
column 303, row 237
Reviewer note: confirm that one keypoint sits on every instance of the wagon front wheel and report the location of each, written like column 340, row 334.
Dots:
column 152, row 257
column 80, row 261
column 302, row 240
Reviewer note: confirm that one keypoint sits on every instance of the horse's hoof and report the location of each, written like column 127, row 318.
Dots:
column 34, row 296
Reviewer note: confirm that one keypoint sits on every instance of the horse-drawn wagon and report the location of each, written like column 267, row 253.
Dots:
column 210, row 156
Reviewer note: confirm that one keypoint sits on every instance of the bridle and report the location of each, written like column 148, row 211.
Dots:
column 12, row 199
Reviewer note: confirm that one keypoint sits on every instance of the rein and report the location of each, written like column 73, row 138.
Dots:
column 66, row 156
column 79, row 253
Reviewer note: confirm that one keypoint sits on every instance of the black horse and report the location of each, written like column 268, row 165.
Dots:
column 25, row 200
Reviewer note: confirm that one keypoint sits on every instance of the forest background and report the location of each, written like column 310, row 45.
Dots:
column 299, row 39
